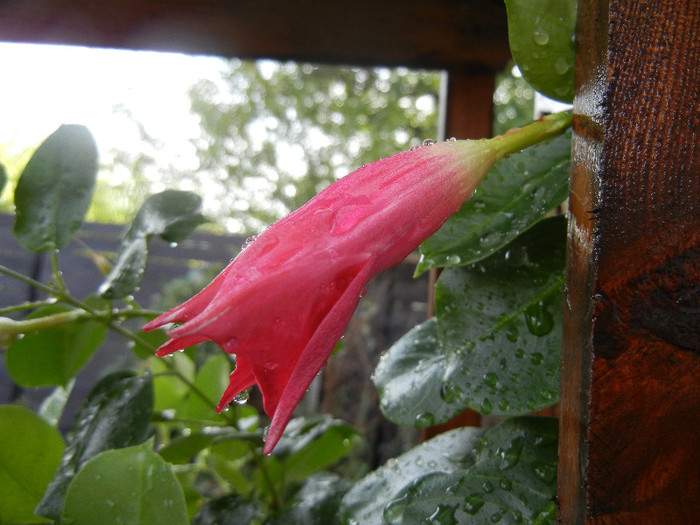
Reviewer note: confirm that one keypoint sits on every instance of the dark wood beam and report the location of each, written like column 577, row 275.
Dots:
column 629, row 449
column 441, row 34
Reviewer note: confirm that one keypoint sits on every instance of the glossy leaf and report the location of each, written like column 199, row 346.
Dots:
column 53, row 356
column 51, row 408
column 317, row 502
column 541, row 37
column 54, row 191
column 30, row 452
column 495, row 345
column 172, row 215
column 131, row 485
column 310, row 444
column 516, row 194
column 447, row 453
column 116, row 414
column 512, row 480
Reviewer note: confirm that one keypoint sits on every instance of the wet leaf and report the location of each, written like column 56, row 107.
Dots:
column 172, row 215
column 446, row 453
column 310, row 444
column 495, row 344
column 516, row 194
column 541, row 37
column 131, row 485
column 316, row 503
column 512, row 480
column 54, row 191
column 228, row 509
column 30, row 452
column 53, row 356
column 116, row 413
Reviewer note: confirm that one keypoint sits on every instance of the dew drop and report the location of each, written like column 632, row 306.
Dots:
column 540, row 36
column 490, row 379
column 473, row 503
column 536, row 358
column 241, row 398
column 512, row 334
column 506, row 484
column 428, row 142
column 424, row 419
column 485, row 407
column 393, row 512
column 488, row 487
column 561, row 66
column 453, row 259
column 538, row 319
column 545, row 472
column 511, row 455
column 496, row 517
column 450, row 392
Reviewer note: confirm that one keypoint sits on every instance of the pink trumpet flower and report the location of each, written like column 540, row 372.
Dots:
column 283, row 303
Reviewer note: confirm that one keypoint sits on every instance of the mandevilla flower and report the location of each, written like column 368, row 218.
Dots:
column 283, row 303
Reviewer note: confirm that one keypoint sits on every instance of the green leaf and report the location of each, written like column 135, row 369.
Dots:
column 541, row 37
column 495, row 345
column 3, row 178
column 228, row 509
column 132, row 486
column 516, row 194
column 211, row 380
column 169, row 390
column 55, row 189
column 116, row 414
column 51, row 408
column 448, row 452
column 53, row 356
column 512, row 480
column 172, row 215
column 310, row 444
column 30, row 452
column 317, row 502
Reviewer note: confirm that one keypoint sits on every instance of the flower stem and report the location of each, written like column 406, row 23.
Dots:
column 541, row 130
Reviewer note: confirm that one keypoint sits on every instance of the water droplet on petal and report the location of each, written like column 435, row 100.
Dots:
column 241, row 398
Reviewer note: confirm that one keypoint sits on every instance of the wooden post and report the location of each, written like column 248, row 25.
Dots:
column 630, row 427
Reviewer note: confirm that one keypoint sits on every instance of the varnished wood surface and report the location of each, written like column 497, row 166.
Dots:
column 441, row 34
column 630, row 444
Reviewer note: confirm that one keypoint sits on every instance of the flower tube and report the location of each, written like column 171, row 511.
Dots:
column 283, row 303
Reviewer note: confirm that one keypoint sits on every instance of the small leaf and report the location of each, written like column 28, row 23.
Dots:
column 30, row 452
column 449, row 452
column 131, row 485
column 512, row 480
column 310, row 444
column 541, row 37
column 495, row 345
column 317, row 502
column 516, row 194
column 54, row 191
column 53, row 356
column 116, row 413
column 52, row 407
column 172, row 215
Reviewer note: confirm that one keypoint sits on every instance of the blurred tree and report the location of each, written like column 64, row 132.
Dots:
column 275, row 134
